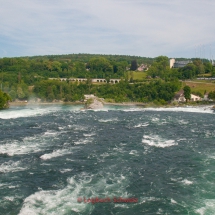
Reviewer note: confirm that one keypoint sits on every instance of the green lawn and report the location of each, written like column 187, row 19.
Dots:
column 137, row 75
column 199, row 86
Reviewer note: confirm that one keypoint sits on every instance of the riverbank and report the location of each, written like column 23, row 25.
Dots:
column 140, row 104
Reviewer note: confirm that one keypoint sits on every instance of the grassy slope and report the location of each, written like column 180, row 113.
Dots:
column 137, row 75
column 200, row 86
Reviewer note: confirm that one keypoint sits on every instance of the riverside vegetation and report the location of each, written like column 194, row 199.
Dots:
column 28, row 77
column 4, row 100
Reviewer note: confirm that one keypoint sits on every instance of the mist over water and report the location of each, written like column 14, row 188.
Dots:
column 52, row 155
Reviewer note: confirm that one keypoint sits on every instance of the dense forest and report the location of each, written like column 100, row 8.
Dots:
column 28, row 77
column 124, row 91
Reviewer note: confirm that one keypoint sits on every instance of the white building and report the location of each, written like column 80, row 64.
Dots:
column 171, row 63
column 179, row 97
column 178, row 64
column 195, row 98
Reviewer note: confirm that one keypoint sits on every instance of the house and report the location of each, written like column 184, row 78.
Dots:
column 142, row 67
column 179, row 97
column 195, row 98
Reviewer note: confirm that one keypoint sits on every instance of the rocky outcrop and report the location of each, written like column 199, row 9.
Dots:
column 93, row 104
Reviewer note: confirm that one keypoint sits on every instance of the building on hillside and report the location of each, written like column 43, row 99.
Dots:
column 171, row 62
column 142, row 67
column 195, row 98
column 179, row 97
column 178, row 64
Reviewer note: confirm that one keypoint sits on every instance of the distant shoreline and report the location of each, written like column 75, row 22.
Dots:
column 144, row 105
column 20, row 103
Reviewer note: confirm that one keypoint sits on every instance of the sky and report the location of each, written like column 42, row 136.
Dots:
column 147, row 28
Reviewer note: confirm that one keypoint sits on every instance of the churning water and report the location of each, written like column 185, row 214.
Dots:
column 57, row 159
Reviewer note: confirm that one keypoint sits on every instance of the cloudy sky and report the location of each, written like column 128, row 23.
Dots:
column 175, row 28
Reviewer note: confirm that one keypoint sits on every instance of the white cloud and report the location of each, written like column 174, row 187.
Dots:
column 135, row 27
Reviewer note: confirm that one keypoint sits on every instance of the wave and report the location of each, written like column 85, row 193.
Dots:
column 141, row 125
column 108, row 120
column 209, row 207
column 33, row 144
column 36, row 110
column 65, row 201
column 187, row 182
column 89, row 135
column 11, row 166
column 29, row 111
column 65, row 170
column 192, row 109
column 198, row 109
column 26, row 112
column 54, row 154
column 83, row 141
column 18, row 148
column 157, row 141
column 133, row 152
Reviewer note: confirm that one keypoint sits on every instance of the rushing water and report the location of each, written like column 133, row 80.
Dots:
column 54, row 157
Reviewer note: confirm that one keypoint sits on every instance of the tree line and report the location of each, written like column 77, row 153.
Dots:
column 26, row 77
column 158, row 90
column 160, row 68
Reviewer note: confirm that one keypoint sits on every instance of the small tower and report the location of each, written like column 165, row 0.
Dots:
column 171, row 63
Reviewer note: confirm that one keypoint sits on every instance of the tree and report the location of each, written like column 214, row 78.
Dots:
column 208, row 67
column 187, row 92
column 20, row 93
column 134, row 65
column 199, row 66
column 163, row 61
column 4, row 99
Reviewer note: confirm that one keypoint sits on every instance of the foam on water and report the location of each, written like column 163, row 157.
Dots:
column 54, row 202
column 12, row 166
column 18, row 148
column 27, row 112
column 187, row 182
column 133, row 109
column 133, row 152
column 108, row 120
column 4, row 184
column 65, row 170
column 64, row 201
column 89, row 135
column 98, row 110
column 198, row 109
column 9, row 198
column 91, row 178
column 141, row 125
column 182, row 122
column 157, row 141
column 173, row 201
column 33, row 144
column 83, row 141
column 51, row 133
column 54, row 154
column 148, row 199
column 208, row 209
